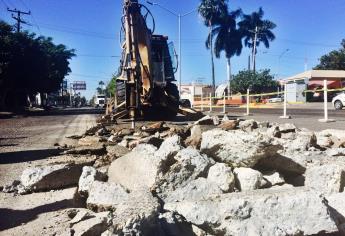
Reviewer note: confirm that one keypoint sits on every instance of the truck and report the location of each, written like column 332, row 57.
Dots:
column 100, row 101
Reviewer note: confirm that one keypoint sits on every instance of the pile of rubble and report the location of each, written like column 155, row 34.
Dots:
column 212, row 177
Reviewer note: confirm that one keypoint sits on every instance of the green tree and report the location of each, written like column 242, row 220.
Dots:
column 110, row 89
column 335, row 60
column 83, row 101
column 257, row 82
column 30, row 65
column 100, row 91
column 212, row 11
column 256, row 31
column 228, row 39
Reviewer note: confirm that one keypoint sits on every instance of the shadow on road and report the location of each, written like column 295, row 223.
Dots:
column 24, row 156
column 13, row 218
column 13, row 138
column 8, row 145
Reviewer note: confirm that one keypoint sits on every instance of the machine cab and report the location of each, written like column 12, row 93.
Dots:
column 164, row 60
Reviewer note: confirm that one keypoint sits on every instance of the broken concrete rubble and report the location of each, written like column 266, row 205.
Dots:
column 137, row 214
column 200, row 188
column 228, row 125
column 274, row 178
column 171, row 223
column 287, row 128
column 326, row 178
column 208, row 120
column 88, row 141
column 96, row 224
column 51, row 176
column 221, row 175
column 188, row 182
column 247, row 179
column 194, row 139
column 248, row 125
column 169, row 148
column 229, row 146
column 95, row 149
column 105, row 196
column 116, row 151
column 88, row 176
column 260, row 212
column 188, row 165
column 137, row 169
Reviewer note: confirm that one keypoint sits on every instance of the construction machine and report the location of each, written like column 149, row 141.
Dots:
column 145, row 86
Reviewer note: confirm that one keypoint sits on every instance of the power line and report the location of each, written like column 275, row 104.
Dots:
column 80, row 32
column 32, row 15
column 11, row 4
column 18, row 17
column 99, row 56
column 89, row 76
column 5, row 4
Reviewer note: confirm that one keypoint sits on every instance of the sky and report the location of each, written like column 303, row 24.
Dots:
column 306, row 30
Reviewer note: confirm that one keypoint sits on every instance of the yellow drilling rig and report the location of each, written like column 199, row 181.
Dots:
column 145, row 86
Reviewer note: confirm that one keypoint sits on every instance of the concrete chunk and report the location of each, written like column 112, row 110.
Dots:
column 237, row 148
column 51, row 176
column 326, row 178
column 266, row 212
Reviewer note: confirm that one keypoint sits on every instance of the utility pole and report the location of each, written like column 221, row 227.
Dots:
column 254, row 48
column 18, row 17
column 305, row 64
column 249, row 63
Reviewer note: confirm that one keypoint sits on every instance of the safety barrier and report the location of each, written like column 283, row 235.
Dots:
column 209, row 103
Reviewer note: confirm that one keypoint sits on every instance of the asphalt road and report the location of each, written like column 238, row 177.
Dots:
column 303, row 118
column 25, row 140
column 296, row 112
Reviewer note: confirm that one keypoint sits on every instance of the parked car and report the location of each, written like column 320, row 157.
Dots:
column 339, row 101
column 274, row 100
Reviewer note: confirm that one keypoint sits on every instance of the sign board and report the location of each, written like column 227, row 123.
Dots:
column 79, row 85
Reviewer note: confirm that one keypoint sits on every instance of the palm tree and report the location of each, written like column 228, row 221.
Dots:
column 212, row 11
column 228, row 39
column 99, row 91
column 256, row 31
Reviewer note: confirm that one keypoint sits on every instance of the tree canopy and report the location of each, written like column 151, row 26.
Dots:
column 30, row 64
column 228, row 36
column 257, row 82
column 335, row 60
column 212, row 11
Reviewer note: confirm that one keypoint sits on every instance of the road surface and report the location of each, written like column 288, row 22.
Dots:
column 28, row 139
column 303, row 118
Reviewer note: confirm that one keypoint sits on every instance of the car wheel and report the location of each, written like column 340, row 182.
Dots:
column 338, row 105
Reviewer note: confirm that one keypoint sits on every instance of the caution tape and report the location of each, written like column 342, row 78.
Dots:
column 207, row 98
column 322, row 90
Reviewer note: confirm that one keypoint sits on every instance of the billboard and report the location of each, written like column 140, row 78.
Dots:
column 79, row 85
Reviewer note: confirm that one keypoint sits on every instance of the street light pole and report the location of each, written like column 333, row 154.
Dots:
column 179, row 58
column 179, row 16
column 280, row 57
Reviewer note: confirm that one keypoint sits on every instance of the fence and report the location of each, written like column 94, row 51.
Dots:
column 209, row 103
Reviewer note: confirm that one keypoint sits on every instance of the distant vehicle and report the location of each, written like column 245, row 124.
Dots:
column 275, row 100
column 185, row 103
column 339, row 101
column 100, row 101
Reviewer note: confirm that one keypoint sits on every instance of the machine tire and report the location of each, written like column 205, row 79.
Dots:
column 173, row 100
column 338, row 105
